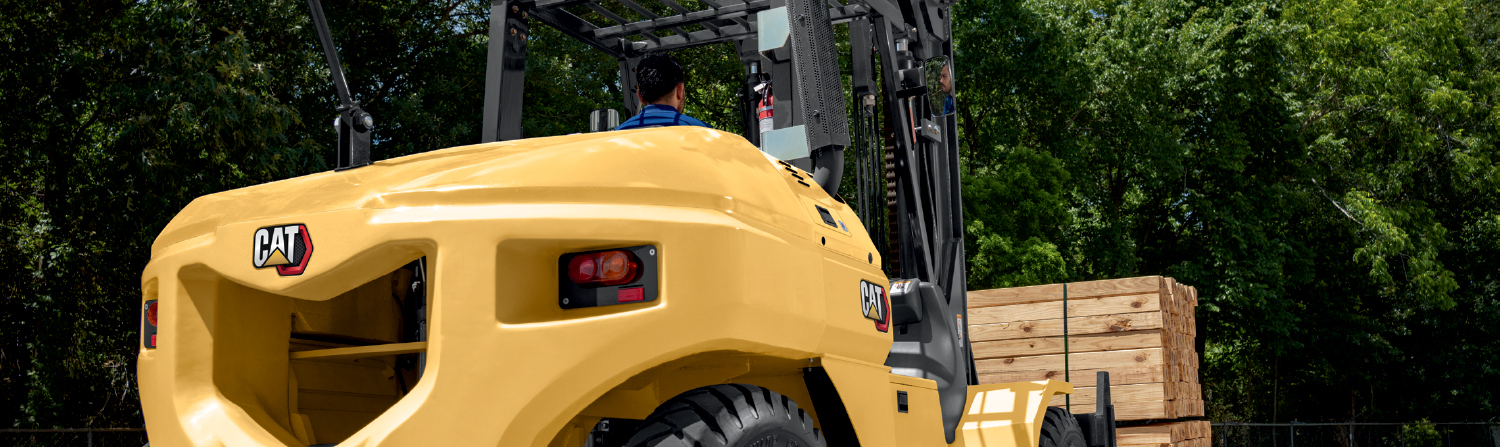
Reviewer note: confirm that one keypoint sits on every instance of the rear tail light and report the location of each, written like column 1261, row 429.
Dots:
column 148, row 326
column 607, row 277
column 605, row 268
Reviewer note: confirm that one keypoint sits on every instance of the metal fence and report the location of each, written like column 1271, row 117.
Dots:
column 1362, row 434
column 73, row 437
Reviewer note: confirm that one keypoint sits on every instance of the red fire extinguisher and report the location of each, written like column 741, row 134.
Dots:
column 763, row 110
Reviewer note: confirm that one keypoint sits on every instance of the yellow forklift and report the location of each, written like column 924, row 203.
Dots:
column 670, row 286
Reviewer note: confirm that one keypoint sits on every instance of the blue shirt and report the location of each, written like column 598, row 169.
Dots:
column 948, row 105
column 657, row 115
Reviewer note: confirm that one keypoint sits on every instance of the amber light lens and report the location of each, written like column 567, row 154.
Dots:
column 608, row 268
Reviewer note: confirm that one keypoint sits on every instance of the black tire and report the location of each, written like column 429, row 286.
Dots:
column 733, row 415
column 1060, row 429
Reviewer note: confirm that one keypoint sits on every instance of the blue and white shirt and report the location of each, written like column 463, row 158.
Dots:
column 657, row 115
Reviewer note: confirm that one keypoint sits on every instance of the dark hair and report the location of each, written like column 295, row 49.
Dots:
column 657, row 75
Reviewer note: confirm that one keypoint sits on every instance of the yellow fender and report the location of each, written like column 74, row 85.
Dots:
column 1007, row 414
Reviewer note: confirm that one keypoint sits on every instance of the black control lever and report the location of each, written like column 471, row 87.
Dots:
column 354, row 124
column 1099, row 426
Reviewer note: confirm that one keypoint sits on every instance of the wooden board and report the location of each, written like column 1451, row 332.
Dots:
column 1054, row 292
column 1169, row 433
column 1145, row 392
column 1139, row 399
column 1125, row 411
column 1050, row 310
column 1200, row 442
column 1149, row 434
column 1082, row 361
column 1125, row 375
column 1103, row 324
column 1077, row 344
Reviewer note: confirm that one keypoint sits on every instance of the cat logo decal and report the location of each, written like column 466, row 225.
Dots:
column 875, row 305
column 286, row 247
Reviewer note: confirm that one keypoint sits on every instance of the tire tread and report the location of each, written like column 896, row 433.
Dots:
column 720, row 416
column 1060, row 429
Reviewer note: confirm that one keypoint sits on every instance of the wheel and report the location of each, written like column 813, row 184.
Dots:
column 733, row 415
column 1060, row 429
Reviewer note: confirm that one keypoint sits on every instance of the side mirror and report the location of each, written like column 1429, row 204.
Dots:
column 906, row 302
column 940, row 85
column 601, row 120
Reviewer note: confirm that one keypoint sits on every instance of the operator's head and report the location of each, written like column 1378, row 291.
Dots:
column 659, row 78
column 945, row 78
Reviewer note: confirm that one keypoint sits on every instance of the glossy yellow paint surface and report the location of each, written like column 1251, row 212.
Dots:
column 1007, row 415
column 754, row 287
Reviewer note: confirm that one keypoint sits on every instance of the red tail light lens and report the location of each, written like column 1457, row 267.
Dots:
column 151, row 313
column 582, row 269
column 607, row 268
column 148, row 330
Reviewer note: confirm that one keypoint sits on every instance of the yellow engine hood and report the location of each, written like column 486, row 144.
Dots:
column 672, row 166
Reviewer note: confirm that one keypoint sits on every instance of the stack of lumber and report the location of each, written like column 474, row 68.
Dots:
column 1140, row 330
column 1176, row 434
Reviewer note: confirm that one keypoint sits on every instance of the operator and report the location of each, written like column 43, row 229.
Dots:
column 659, row 78
column 945, row 79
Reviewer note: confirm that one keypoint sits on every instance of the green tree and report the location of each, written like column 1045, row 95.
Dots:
column 1014, row 212
column 116, row 115
column 1323, row 171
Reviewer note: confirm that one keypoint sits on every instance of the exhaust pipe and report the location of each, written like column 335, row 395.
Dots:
column 828, row 169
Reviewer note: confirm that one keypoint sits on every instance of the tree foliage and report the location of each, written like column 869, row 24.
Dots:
column 1324, row 171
